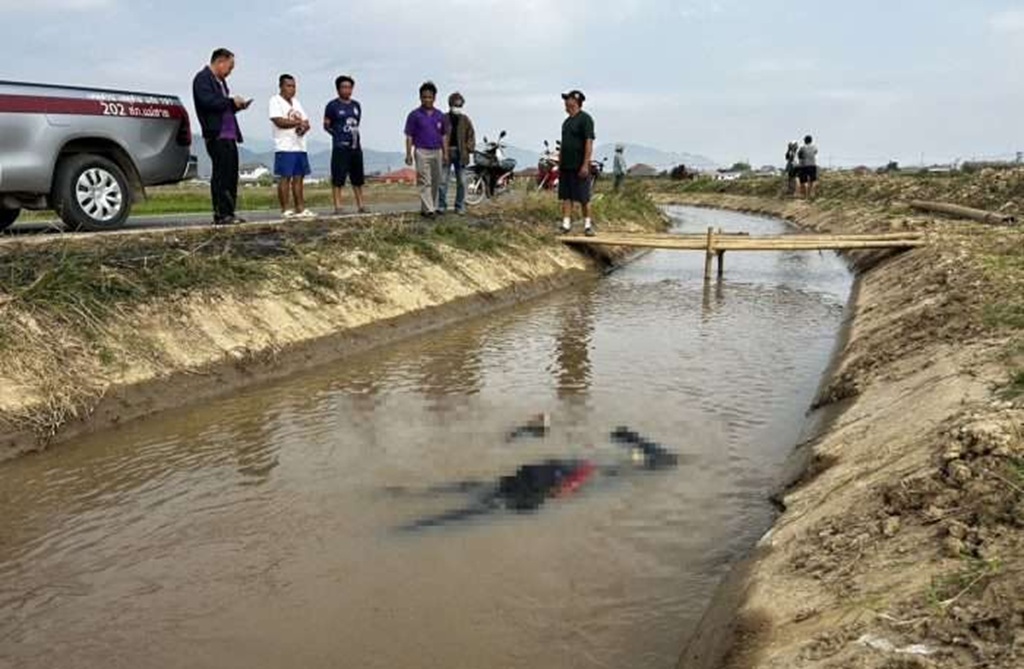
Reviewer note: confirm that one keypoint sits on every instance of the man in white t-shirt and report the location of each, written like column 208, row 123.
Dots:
column 291, row 162
column 807, row 156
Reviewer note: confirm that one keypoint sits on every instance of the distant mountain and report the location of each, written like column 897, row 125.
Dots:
column 524, row 158
column 636, row 154
column 386, row 161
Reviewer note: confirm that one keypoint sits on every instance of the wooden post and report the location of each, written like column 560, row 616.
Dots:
column 721, row 260
column 709, row 254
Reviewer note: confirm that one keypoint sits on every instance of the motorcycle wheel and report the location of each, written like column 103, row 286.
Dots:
column 476, row 189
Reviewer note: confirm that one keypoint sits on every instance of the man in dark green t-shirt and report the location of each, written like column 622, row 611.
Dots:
column 574, row 180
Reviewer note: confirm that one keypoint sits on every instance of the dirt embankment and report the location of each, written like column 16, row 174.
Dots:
column 903, row 543
column 101, row 329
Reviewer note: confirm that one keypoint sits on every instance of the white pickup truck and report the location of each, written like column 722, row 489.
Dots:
column 87, row 153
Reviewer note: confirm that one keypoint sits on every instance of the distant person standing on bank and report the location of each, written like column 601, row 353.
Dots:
column 342, row 119
column 426, row 146
column 216, row 109
column 807, row 156
column 461, row 144
column 291, row 161
column 574, row 182
column 619, row 168
column 792, row 171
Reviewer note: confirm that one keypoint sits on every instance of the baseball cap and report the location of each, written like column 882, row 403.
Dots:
column 578, row 96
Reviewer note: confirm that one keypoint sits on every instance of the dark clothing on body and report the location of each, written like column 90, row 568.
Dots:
column 573, row 187
column 347, row 164
column 213, row 103
column 462, row 136
column 576, row 130
column 345, row 118
column 224, row 181
column 217, row 116
column 808, row 173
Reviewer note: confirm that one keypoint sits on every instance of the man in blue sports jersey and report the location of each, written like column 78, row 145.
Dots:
column 341, row 120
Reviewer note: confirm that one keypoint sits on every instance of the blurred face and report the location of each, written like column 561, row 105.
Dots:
column 427, row 99
column 571, row 106
column 288, row 89
column 345, row 90
column 223, row 67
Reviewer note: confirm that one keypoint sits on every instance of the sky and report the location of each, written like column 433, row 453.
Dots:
column 872, row 80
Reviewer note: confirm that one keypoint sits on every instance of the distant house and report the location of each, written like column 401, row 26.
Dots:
column 253, row 172
column 406, row 175
column 728, row 176
column 643, row 170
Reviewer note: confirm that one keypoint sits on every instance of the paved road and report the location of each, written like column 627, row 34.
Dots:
column 54, row 226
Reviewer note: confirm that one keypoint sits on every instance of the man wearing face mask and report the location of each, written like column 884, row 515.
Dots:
column 461, row 144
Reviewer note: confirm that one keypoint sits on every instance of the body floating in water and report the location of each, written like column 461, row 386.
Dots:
column 534, row 484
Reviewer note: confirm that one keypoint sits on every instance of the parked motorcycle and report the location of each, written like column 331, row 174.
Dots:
column 547, row 167
column 596, row 170
column 491, row 174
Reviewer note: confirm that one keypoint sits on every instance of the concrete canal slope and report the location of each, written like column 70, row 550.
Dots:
column 99, row 329
column 902, row 545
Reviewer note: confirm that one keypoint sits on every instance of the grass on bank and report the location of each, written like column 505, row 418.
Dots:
column 195, row 199
column 80, row 282
column 633, row 205
column 992, row 190
column 64, row 302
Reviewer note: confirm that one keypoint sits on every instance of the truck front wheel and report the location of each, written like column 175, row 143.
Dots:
column 91, row 193
column 8, row 217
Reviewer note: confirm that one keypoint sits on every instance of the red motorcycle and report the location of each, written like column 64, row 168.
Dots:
column 547, row 167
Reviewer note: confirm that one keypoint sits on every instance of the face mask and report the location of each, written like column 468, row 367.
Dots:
column 457, row 111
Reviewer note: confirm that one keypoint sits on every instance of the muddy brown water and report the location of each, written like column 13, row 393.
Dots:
column 263, row 530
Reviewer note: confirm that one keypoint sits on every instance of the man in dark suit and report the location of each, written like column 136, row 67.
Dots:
column 216, row 109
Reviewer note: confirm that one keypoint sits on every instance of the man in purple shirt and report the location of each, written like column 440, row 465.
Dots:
column 426, row 145
column 216, row 109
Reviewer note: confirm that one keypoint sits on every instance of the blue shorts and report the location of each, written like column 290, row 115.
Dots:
column 290, row 164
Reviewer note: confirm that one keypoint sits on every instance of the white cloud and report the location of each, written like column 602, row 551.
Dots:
column 49, row 5
column 1010, row 21
column 778, row 65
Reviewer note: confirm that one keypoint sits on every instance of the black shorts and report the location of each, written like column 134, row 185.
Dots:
column 808, row 174
column 347, row 164
column 573, row 187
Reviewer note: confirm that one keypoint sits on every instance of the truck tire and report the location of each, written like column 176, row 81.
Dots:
column 91, row 193
column 8, row 217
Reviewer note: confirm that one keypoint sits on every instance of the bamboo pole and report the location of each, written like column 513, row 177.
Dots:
column 721, row 260
column 708, row 254
column 747, row 245
column 746, row 236
column 963, row 212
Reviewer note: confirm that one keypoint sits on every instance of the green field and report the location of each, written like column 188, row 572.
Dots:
column 195, row 199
